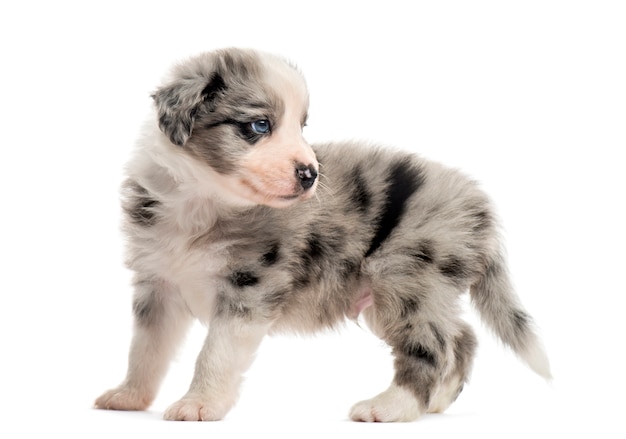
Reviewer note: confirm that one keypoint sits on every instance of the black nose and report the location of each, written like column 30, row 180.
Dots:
column 306, row 175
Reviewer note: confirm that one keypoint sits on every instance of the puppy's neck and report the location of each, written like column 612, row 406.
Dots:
column 193, row 192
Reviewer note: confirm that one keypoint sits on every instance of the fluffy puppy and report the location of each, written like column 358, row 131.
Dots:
column 222, row 226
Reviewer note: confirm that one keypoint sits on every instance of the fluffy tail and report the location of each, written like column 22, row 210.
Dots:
column 499, row 307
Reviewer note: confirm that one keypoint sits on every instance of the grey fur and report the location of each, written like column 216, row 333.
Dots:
column 409, row 234
column 139, row 205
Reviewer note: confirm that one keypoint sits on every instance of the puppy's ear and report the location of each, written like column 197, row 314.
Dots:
column 177, row 104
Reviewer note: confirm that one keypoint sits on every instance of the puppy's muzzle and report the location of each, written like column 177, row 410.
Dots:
column 306, row 175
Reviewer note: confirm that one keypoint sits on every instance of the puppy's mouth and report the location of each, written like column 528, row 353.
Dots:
column 289, row 197
column 275, row 199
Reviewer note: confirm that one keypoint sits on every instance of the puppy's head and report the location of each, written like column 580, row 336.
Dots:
column 241, row 113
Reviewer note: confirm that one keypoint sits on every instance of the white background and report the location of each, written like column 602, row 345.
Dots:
column 527, row 97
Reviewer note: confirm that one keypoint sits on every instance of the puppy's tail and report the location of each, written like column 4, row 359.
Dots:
column 500, row 308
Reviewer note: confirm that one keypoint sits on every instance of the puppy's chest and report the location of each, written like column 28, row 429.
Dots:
column 229, row 261
column 195, row 272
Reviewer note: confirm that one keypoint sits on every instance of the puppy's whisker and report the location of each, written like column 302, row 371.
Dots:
column 319, row 200
column 324, row 186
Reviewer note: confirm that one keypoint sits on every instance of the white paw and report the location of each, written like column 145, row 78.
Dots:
column 124, row 398
column 194, row 408
column 393, row 405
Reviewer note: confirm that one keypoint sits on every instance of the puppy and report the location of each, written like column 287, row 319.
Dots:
column 233, row 219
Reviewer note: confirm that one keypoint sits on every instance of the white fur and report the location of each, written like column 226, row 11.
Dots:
column 396, row 404
column 226, row 355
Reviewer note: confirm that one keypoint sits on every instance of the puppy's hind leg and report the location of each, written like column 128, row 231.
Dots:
column 161, row 321
column 419, row 365
column 417, row 316
column 433, row 359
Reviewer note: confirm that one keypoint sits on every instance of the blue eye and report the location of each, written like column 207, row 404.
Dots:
column 260, row 126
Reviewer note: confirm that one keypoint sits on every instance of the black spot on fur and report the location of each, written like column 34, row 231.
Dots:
column 419, row 382
column 437, row 333
column 243, row 279
column 423, row 252
column 420, row 353
column 178, row 129
column 521, row 320
column 302, row 280
column 141, row 206
column 272, row 256
column 320, row 247
column 453, row 268
column 416, row 370
column 215, row 86
column 147, row 310
column 409, row 306
column 361, row 194
column 404, row 179
column 348, row 268
column 320, row 254
column 315, row 248
column 482, row 220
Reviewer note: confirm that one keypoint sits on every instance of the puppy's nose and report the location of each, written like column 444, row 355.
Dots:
column 306, row 175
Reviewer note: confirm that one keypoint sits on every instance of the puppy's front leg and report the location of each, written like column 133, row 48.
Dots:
column 161, row 321
column 227, row 353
